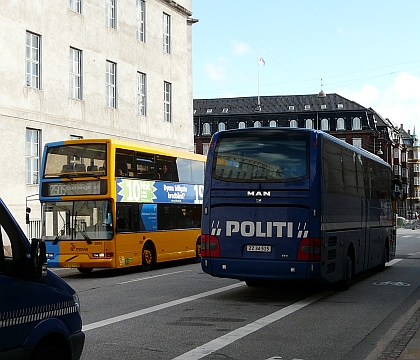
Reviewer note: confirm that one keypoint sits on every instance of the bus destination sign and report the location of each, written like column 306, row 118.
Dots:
column 74, row 188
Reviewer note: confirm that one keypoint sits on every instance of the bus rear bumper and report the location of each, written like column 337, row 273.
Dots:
column 267, row 269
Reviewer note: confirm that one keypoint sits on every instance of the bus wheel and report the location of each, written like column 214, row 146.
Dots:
column 47, row 352
column 85, row 270
column 344, row 284
column 197, row 258
column 147, row 257
column 381, row 267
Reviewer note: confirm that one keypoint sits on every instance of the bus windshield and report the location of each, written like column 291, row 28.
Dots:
column 253, row 158
column 77, row 220
column 75, row 160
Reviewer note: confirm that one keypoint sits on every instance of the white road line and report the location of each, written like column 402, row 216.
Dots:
column 152, row 277
column 393, row 262
column 222, row 341
column 151, row 309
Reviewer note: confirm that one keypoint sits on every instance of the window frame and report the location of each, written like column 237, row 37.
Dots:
column 33, row 60
column 166, row 33
column 32, row 155
column 111, row 13
column 75, row 73
column 111, row 84
column 167, row 101
column 141, row 20
column 76, row 6
column 141, row 93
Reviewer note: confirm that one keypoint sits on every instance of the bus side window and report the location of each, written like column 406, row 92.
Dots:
column 124, row 163
column 127, row 217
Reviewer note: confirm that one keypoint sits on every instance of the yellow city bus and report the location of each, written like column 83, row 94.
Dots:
column 113, row 204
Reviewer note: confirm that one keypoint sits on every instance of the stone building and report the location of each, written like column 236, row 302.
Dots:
column 90, row 68
column 341, row 117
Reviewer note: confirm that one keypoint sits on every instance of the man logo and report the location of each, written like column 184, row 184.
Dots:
column 259, row 193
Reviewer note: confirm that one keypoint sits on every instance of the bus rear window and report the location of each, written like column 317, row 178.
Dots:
column 275, row 156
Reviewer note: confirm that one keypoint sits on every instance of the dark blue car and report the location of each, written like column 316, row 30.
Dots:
column 39, row 312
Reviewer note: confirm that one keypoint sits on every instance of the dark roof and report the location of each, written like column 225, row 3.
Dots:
column 274, row 104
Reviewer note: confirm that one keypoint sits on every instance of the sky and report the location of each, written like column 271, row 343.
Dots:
column 365, row 50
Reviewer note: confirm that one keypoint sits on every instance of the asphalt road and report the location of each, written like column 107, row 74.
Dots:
column 178, row 312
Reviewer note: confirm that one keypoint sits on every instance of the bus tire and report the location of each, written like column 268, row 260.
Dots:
column 147, row 257
column 84, row 270
column 385, row 258
column 197, row 258
column 48, row 352
column 344, row 284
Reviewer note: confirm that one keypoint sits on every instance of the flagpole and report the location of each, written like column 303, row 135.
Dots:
column 258, row 64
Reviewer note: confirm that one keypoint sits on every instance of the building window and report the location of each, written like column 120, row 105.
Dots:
column 340, row 106
column 396, row 153
column 111, row 13
column 257, row 124
column 416, row 193
column 416, row 168
column 309, row 124
column 206, row 147
column 357, row 142
column 167, row 99
column 416, row 181
column 111, row 84
column 403, row 156
column 323, row 106
column 225, row 110
column 241, row 125
column 291, row 107
column 397, row 170
column 340, row 124
column 325, row 124
column 33, row 60
column 32, row 156
column 404, row 172
column 141, row 94
column 209, row 111
column 415, row 154
column 75, row 5
column 141, row 20
column 293, row 124
column 75, row 74
column 221, row 126
column 307, row 107
column 356, row 123
column 206, row 129
column 166, row 33
column 273, row 123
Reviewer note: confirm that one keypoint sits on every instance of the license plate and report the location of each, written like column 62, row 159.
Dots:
column 71, row 265
column 258, row 248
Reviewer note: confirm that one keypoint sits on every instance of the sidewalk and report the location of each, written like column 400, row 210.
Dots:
column 405, row 344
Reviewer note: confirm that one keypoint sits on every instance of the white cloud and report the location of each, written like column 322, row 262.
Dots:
column 399, row 102
column 241, row 48
column 215, row 72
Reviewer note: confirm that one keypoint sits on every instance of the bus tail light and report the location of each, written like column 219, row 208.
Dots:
column 310, row 249
column 210, row 246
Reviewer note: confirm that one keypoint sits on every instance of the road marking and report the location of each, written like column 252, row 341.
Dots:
column 216, row 344
column 151, row 309
column 152, row 277
column 393, row 262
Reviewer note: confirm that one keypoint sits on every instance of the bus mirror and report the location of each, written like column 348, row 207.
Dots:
column 38, row 262
column 28, row 211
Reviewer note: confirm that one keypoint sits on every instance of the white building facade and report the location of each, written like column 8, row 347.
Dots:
column 90, row 68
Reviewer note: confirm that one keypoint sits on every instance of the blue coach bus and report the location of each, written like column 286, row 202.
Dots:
column 294, row 204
